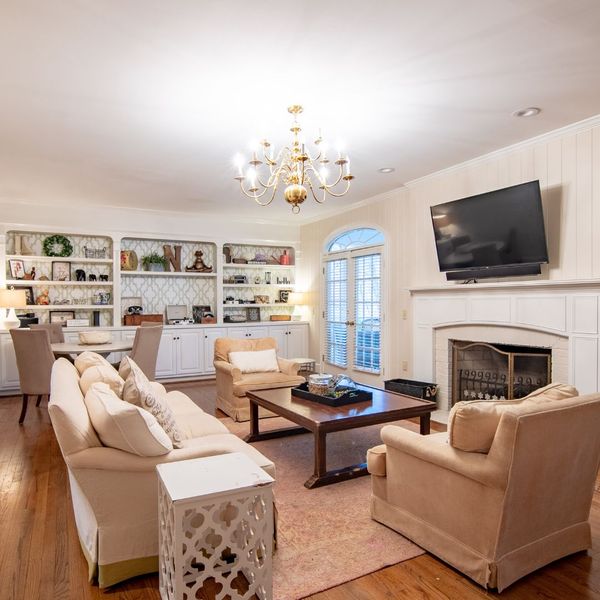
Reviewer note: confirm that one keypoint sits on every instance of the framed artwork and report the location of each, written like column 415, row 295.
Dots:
column 17, row 268
column 28, row 294
column 61, row 270
column 259, row 299
column 284, row 295
column 199, row 311
column 61, row 316
column 253, row 314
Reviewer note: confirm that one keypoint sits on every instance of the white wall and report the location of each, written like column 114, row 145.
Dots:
column 567, row 163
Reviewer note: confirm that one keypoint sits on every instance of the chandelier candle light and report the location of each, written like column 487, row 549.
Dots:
column 296, row 168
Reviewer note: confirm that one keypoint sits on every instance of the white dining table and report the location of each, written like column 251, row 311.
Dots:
column 62, row 348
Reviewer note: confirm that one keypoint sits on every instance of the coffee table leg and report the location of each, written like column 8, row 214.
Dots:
column 424, row 424
column 254, row 433
column 317, row 478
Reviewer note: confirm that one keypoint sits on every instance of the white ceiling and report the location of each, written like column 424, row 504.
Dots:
column 143, row 103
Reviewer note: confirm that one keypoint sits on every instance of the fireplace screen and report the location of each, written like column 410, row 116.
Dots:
column 497, row 371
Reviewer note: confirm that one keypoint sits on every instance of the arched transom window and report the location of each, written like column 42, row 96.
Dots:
column 353, row 300
column 356, row 238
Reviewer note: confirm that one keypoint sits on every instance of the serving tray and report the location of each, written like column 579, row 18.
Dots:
column 350, row 397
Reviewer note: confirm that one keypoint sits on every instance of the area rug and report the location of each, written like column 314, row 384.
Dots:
column 325, row 535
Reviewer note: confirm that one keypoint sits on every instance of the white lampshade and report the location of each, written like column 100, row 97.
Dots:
column 12, row 298
column 296, row 298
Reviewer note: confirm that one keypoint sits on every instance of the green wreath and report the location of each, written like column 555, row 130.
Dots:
column 51, row 243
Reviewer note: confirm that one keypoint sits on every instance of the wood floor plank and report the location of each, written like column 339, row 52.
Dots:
column 40, row 555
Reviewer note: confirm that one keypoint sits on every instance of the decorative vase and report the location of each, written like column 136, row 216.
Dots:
column 155, row 267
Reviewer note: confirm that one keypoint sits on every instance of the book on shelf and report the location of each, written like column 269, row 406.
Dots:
column 78, row 322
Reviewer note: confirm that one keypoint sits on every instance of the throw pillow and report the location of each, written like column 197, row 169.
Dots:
column 89, row 359
column 123, row 426
column 104, row 374
column 125, row 367
column 259, row 361
column 158, row 405
column 135, row 380
column 472, row 424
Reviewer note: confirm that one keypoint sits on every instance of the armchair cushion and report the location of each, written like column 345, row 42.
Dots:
column 376, row 460
column 124, row 426
column 257, row 361
column 262, row 381
column 472, row 424
column 103, row 374
column 89, row 359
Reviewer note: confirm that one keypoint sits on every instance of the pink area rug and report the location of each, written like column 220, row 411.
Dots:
column 325, row 535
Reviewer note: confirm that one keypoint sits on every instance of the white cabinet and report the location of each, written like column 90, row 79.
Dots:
column 292, row 340
column 183, row 352
column 247, row 332
column 210, row 335
column 9, row 374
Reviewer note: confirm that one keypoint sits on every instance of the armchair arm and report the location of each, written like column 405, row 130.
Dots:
column 228, row 369
column 473, row 465
column 111, row 459
column 289, row 367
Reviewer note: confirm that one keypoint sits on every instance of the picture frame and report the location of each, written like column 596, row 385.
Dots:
column 17, row 268
column 28, row 294
column 199, row 311
column 261, row 299
column 284, row 295
column 61, row 270
column 61, row 316
column 253, row 314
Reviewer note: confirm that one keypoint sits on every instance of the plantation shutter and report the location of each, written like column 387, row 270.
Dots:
column 367, row 313
column 336, row 312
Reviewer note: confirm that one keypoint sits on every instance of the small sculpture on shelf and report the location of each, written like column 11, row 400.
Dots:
column 31, row 275
column 172, row 259
column 80, row 274
column 199, row 265
column 92, row 277
column 103, row 278
column 43, row 298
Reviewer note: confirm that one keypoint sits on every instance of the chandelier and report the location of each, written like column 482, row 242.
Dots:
column 294, row 167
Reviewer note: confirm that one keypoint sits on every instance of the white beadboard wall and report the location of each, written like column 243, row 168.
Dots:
column 567, row 163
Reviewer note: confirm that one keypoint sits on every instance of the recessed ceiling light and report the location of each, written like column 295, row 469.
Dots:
column 386, row 170
column 530, row 111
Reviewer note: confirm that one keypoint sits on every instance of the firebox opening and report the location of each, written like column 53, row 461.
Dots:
column 482, row 371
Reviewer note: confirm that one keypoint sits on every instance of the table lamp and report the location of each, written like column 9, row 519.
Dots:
column 297, row 299
column 11, row 299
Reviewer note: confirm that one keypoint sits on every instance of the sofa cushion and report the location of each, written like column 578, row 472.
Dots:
column 223, row 346
column 257, row 361
column 191, row 419
column 101, row 374
column 472, row 424
column 376, row 460
column 89, row 359
column 124, row 426
column 263, row 381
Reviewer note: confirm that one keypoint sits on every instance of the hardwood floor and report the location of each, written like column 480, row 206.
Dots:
column 40, row 556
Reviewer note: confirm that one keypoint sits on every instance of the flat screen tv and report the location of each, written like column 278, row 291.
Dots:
column 499, row 233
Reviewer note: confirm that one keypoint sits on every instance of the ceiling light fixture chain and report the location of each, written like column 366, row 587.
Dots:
column 295, row 166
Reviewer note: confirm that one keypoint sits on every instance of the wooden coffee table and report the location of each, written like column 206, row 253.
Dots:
column 321, row 419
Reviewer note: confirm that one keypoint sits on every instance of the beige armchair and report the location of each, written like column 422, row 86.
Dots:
column 232, row 384
column 497, row 515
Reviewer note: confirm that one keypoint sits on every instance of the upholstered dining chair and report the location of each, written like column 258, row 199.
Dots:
column 34, row 363
column 54, row 329
column 145, row 348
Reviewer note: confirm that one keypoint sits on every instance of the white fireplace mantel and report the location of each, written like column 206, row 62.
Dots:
column 569, row 310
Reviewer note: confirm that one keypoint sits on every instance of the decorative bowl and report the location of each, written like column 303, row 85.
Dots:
column 94, row 337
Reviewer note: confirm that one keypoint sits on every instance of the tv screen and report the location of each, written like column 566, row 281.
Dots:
column 503, row 227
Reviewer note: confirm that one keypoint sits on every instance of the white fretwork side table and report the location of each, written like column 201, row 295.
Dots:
column 215, row 528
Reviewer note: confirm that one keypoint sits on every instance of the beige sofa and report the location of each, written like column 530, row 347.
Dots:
column 114, row 492
column 499, row 514
column 232, row 384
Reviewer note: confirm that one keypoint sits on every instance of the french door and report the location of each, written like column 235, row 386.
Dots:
column 353, row 310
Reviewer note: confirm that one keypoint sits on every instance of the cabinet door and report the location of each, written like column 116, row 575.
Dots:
column 210, row 335
column 297, row 341
column 279, row 334
column 9, row 374
column 166, row 361
column 237, row 332
column 190, row 352
column 257, row 332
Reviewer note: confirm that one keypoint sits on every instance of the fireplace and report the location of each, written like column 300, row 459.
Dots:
column 487, row 371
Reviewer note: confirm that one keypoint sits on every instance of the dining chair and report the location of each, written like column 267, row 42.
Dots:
column 145, row 348
column 54, row 329
column 34, row 363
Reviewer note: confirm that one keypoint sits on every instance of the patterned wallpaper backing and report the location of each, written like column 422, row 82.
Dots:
column 35, row 241
column 144, row 247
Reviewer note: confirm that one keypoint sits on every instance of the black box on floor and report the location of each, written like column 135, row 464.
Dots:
column 409, row 387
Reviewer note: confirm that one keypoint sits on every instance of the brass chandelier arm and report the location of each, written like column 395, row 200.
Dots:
column 327, row 186
column 252, row 195
column 312, row 191
column 270, row 199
